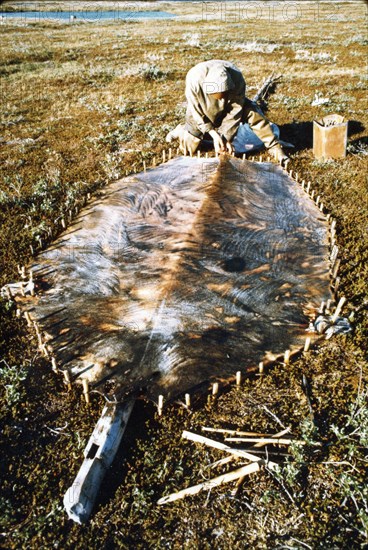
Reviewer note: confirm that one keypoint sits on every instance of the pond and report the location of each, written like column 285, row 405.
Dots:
column 85, row 16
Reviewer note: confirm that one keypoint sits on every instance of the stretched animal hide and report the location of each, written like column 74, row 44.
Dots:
column 184, row 274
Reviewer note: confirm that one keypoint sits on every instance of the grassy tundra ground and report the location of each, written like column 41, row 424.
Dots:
column 82, row 104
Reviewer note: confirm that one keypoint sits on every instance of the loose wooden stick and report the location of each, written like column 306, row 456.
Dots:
column 215, row 482
column 338, row 309
column 266, row 440
column 223, row 461
column 222, row 447
column 239, row 432
column 254, row 450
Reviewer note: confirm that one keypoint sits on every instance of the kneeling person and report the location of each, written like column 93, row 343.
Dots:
column 216, row 104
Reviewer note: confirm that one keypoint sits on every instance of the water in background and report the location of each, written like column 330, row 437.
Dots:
column 85, row 16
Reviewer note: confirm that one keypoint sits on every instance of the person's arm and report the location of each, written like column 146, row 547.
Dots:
column 234, row 108
column 231, row 121
column 192, row 93
column 262, row 128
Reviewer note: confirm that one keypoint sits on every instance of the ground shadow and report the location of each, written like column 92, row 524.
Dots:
column 301, row 133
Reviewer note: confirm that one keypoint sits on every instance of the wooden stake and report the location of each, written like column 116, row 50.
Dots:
column 338, row 309
column 164, row 156
column 215, row 388
column 67, row 379
column 28, row 318
column 336, row 268
column 313, row 193
column 334, row 253
column 291, row 173
column 154, row 161
column 8, row 293
column 187, row 400
column 337, row 283
column 261, row 367
column 206, row 155
column 308, row 186
column 170, row 153
column 238, row 378
column 160, row 404
column 63, row 223
column 86, row 390
column 244, row 156
column 303, row 184
column 322, row 307
column 144, row 166
column 307, row 344
column 296, row 177
column 260, row 158
column 318, row 199
column 44, row 350
column 287, row 357
column 53, row 364
column 23, row 272
column 198, row 154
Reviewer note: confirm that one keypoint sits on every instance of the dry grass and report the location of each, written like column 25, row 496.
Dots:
column 84, row 104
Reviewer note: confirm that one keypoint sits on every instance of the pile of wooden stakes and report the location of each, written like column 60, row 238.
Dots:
column 258, row 444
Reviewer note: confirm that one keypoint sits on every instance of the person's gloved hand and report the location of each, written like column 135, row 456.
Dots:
column 230, row 148
column 217, row 141
column 278, row 154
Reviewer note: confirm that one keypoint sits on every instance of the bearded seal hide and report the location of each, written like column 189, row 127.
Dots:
column 182, row 275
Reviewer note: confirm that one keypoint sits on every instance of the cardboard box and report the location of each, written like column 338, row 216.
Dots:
column 330, row 136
